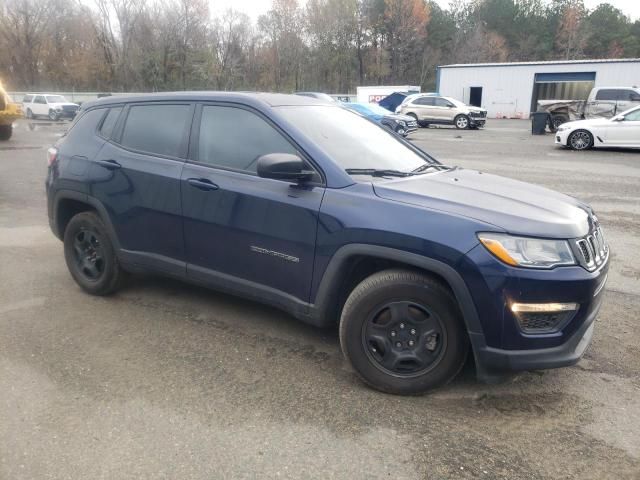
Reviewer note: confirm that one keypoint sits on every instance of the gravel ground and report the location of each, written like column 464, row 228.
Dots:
column 166, row 380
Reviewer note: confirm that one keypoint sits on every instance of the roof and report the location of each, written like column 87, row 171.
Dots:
column 270, row 99
column 550, row 62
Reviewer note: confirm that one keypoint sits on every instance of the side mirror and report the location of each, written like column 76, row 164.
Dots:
column 618, row 118
column 283, row 166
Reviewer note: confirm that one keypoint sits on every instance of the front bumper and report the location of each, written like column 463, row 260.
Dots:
column 494, row 361
column 561, row 137
column 477, row 121
column 501, row 344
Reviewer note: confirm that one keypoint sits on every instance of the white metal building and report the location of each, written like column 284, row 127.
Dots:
column 512, row 90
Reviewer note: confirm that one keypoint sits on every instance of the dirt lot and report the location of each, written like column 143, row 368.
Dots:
column 166, row 380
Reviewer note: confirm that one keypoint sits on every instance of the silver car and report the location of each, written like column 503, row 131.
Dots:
column 429, row 108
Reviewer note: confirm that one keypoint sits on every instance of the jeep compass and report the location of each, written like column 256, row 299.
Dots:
column 333, row 218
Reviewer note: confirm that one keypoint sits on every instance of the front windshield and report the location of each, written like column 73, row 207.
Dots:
column 351, row 140
column 56, row 99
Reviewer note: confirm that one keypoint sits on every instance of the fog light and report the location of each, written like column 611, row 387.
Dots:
column 543, row 317
column 543, row 307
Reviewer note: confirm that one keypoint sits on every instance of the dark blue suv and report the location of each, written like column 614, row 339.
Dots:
column 316, row 210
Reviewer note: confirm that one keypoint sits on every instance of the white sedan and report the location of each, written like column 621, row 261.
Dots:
column 623, row 131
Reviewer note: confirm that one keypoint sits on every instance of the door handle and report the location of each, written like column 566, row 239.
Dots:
column 109, row 164
column 202, row 184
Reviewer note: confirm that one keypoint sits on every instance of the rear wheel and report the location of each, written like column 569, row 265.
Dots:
column 580, row 140
column 461, row 122
column 557, row 120
column 29, row 114
column 403, row 332
column 5, row 132
column 90, row 256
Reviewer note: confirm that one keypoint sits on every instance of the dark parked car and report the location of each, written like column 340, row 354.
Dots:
column 334, row 219
column 318, row 95
column 401, row 124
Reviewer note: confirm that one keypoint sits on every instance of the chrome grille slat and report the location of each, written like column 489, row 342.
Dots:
column 593, row 248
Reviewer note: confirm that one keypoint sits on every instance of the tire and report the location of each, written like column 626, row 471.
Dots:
column 29, row 114
column 5, row 132
column 85, row 238
column 580, row 140
column 461, row 122
column 53, row 116
column 557, row 120
column 388, row 311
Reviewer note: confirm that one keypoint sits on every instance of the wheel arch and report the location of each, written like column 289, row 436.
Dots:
column 68, row 203
column 339, row 276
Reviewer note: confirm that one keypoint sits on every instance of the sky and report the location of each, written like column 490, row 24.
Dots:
column 256, row 8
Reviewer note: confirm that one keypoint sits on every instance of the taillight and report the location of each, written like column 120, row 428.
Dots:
column 52, row 156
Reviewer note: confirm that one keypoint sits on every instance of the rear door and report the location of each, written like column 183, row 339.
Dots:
column 626, row 99
column 239, row 228
column 136, row 176
column 423, row 106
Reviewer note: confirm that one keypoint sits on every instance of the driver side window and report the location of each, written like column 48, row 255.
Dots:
column 632, row 117
column 235, row 138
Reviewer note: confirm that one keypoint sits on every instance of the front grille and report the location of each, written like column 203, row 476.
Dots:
column 478, row 114
column 69, row 108
column 593, row 249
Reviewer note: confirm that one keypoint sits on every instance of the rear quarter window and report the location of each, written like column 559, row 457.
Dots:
column 109, row 123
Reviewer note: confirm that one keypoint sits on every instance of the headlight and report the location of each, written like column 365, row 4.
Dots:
column 562, row 128
column 58, row 109
column 528, row 252
column 402, row 123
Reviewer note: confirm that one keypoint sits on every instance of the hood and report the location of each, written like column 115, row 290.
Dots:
column 399, row 116
column 587, row 123
column 516, row 207
column 475, row 109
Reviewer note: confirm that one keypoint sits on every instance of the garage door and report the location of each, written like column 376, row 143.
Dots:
column 561, row 86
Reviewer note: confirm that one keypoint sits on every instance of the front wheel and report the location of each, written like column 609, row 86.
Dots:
column 461, row 122
column 53, row 115
column 403, row 332
column 90, row 256
column 580, row 140
column 5, row 132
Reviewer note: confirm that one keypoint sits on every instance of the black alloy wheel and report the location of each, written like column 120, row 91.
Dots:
column 404, row 338
column 89, row 254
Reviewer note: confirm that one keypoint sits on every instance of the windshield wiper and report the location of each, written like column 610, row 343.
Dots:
column 427, row 166
column 374, row 172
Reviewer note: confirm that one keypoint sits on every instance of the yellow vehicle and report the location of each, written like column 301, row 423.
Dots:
column 9, row 113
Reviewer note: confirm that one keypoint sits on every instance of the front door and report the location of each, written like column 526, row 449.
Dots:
column 625, row 133
column 239, row 228
column 423, row 106
column 39, row 106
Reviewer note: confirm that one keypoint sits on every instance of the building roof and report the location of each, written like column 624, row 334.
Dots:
column 551, row 62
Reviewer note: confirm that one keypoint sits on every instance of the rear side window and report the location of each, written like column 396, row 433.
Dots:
column 158, row 129
column 84, row 126
column 223, row 143
column 424, row 101
column 110, row 122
